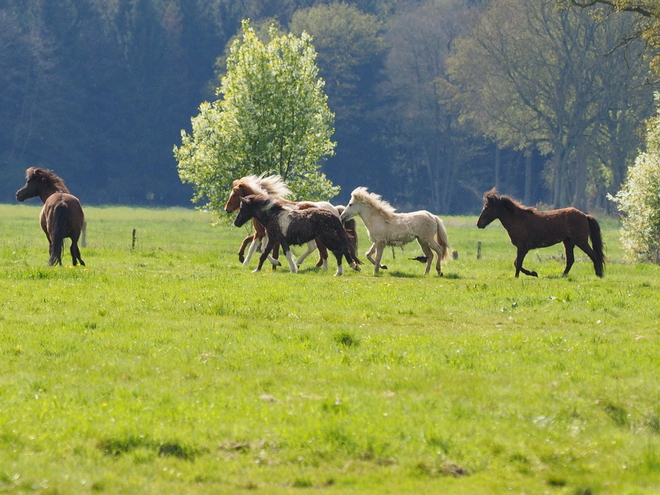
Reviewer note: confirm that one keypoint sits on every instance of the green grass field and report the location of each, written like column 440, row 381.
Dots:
column 170, row 368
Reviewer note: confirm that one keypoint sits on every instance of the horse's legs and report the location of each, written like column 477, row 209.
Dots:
column 276, row 254
column 323, row 255
column 264, row 254
column 569, row 246
column 380, row 247
column 75, row 253
column 253, row 247
column 369, row 256
column 289, row 257
column 340, row 268
column 519, row 261
column 249, row 239
column 584, row 245
column 428, row 252
column 311, row 246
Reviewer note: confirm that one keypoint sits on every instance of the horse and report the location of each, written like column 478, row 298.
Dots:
column 61, row 216
column 530, row 229
column 388, row 228
column 289, row 227
column 271, row 186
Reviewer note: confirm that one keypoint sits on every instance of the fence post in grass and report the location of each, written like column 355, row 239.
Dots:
column 133, row 241
column 479, row 250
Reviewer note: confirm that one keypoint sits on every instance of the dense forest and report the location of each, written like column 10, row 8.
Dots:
column 435, row 101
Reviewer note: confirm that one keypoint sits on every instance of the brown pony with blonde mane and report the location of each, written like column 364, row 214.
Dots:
column 61, row 216
column 530, row 229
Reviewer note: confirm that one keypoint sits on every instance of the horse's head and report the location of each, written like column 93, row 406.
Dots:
column 251, row 206
column 490, row 211
column 348, row 212
column 40, row 182
column 238, row 191
column 355, row 205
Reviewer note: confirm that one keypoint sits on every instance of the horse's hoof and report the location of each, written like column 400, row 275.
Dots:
column 241, row 258
column 383, row 267
column 534, row 274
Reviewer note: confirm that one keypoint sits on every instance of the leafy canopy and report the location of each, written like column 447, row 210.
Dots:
column 272, row 117
column 639, row 199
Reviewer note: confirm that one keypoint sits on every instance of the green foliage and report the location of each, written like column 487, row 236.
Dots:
column 533, row 76
column 639, row 199
column 273, row 117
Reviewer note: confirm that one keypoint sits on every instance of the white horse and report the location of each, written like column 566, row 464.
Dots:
column 388, row 228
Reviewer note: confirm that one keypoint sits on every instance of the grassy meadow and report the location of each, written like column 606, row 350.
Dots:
column 169, row 368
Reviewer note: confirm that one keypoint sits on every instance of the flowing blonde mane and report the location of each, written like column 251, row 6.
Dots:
column 271, row 185
column 373, row 200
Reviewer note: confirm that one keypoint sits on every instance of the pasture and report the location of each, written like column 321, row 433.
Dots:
column 170, row 368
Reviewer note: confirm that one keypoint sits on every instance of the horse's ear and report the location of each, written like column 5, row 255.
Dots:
column 490, row 194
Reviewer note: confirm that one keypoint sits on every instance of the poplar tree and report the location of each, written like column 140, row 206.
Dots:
column 271, row 117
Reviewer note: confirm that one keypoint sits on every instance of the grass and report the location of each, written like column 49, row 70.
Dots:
column 171, row 368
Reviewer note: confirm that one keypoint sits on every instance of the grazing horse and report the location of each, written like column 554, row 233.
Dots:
column 61, row 216
column 294, row 227
column 274, row 186
column 388, row 228
column 530, row 229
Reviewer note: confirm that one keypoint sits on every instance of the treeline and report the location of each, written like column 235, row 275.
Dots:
column 436, row 101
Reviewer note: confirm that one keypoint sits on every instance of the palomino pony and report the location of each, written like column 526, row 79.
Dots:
column 294, row 227
column 272, row 186
column 61, row 216
column 530, row 229
column 388, row 228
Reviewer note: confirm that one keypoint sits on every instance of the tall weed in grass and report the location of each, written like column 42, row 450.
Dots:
column 169, row 367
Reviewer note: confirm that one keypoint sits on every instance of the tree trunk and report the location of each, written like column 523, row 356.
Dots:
column 580, row 198
column 498, row 166
column 528, row 178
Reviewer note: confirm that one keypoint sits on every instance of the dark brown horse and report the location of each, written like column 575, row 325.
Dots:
column 61, row 216
column 530, row 229
column 289, row 227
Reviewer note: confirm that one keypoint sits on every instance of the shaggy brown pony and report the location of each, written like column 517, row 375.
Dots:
column 61, row 216
column 295, row 227
column 530, row 229
column 267, row 185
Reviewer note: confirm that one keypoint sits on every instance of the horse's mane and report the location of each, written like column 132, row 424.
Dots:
column 506, row 201
column 49, row 178
column 271, row 185
column 374, row 200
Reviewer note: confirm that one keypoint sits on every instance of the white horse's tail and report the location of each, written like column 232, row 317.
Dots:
column 441, row 238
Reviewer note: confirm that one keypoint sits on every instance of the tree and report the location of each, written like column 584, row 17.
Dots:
column 648, row 26
column 639, row 199
column 534, row 77
column 432, row 149
column 350, row 51
column 272, row 117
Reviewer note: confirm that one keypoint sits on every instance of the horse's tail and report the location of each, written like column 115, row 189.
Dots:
column 441, row 238
column 57, row 232
column 597, row 244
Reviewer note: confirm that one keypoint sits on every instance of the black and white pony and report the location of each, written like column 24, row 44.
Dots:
column 291, row 227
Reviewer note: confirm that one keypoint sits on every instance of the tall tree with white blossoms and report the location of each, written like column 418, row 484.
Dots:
column 639, row 199
column 272, row 117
